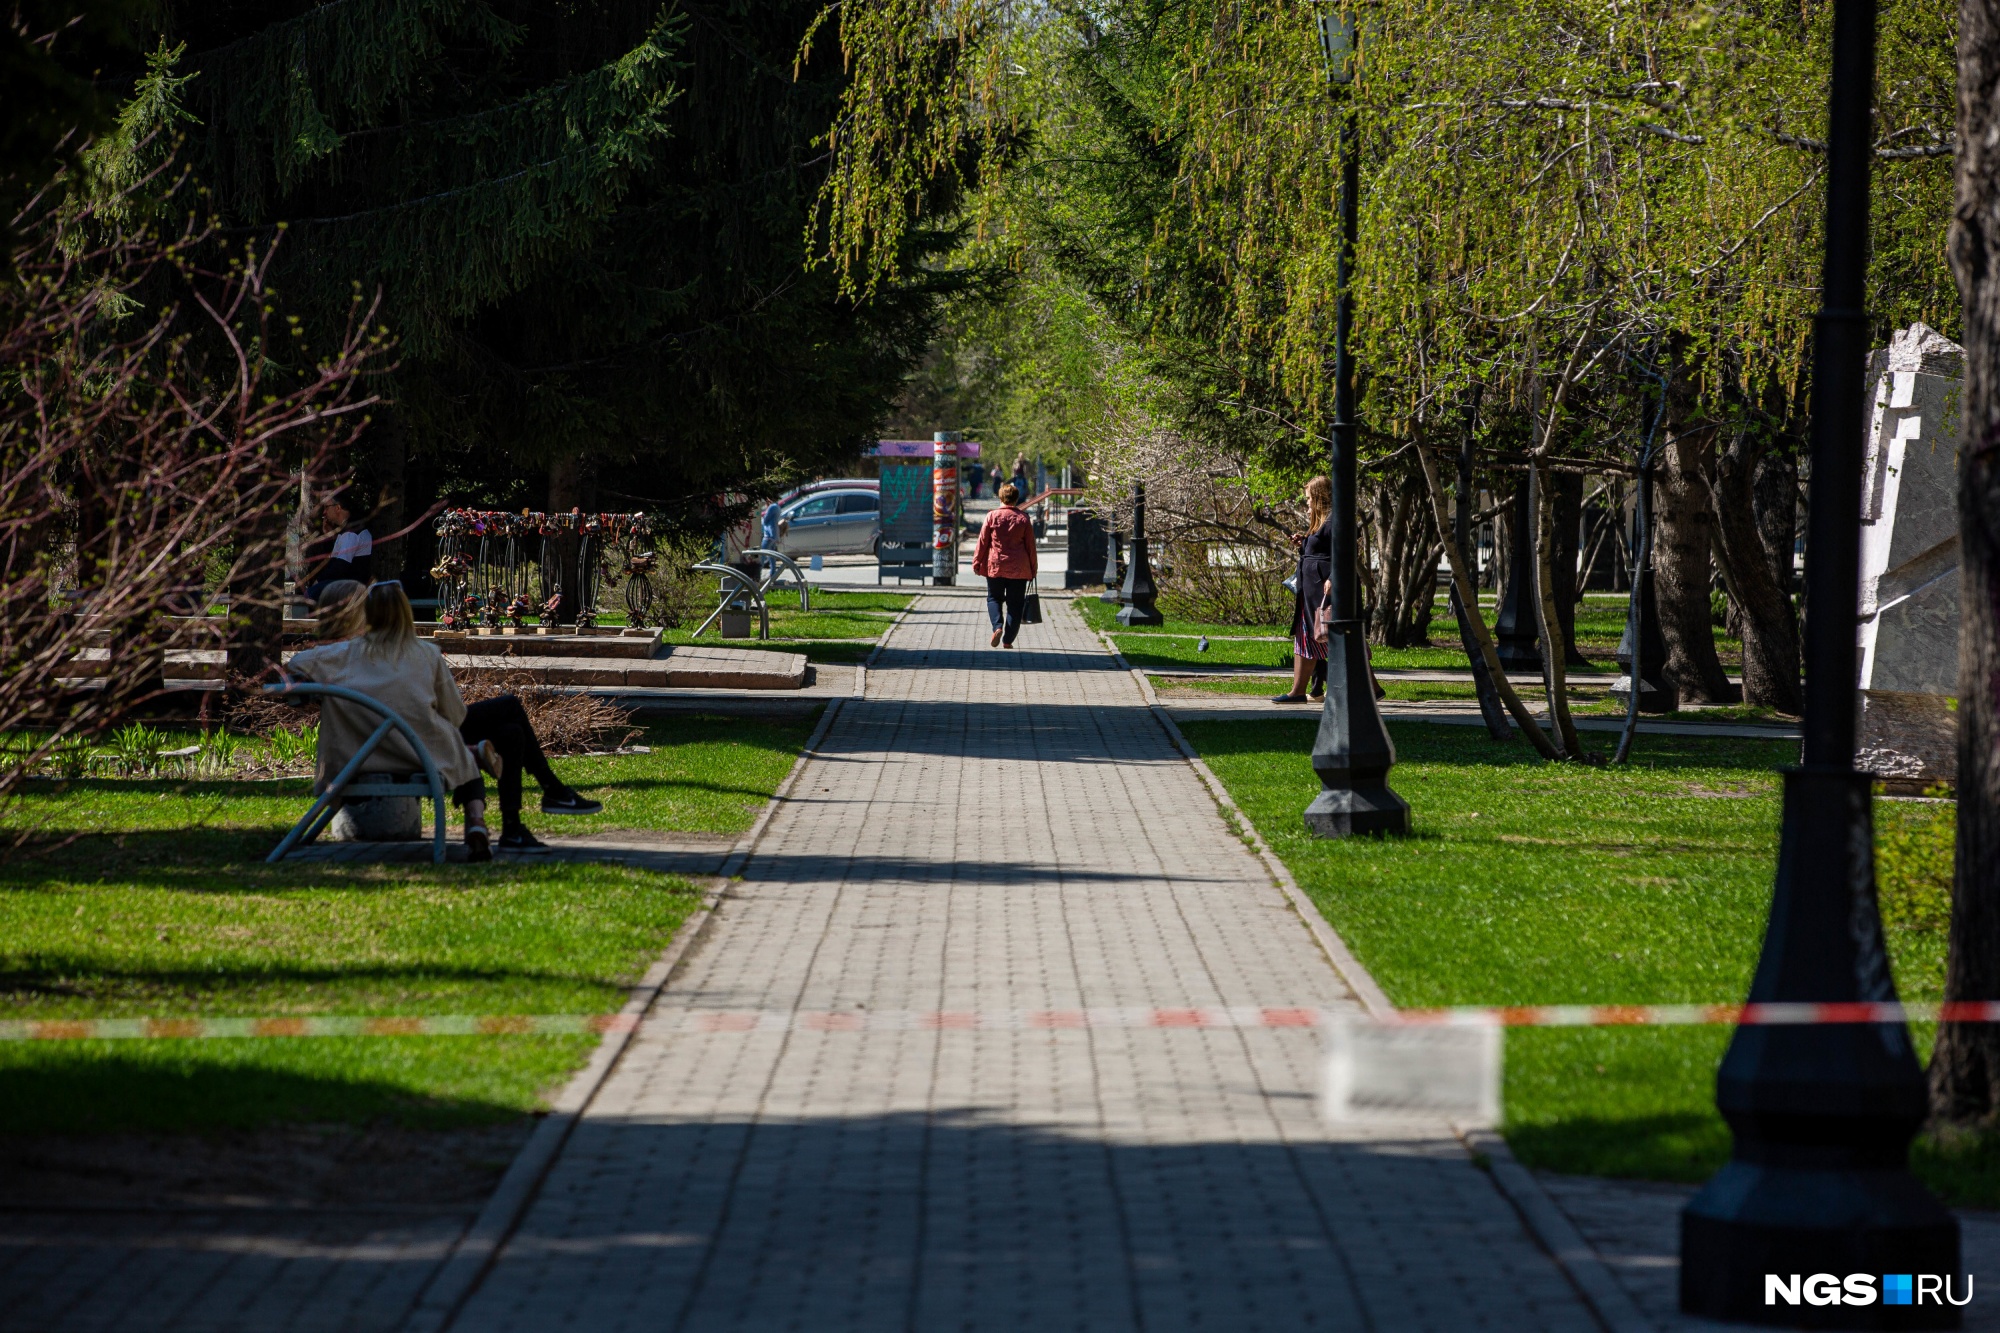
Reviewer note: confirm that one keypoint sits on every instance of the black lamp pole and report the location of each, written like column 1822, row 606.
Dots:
column 1352, row 753
column 1822, row 1115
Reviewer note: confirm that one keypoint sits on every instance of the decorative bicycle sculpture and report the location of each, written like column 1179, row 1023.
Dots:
column 496, row 567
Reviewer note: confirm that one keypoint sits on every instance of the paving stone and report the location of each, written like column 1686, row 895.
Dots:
column 992, row 830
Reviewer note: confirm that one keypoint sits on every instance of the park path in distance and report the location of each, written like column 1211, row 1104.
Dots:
column 993, row 831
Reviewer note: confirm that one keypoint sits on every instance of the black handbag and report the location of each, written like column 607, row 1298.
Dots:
column 1031, row 609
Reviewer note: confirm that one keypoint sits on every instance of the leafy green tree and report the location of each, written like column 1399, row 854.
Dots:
column 1565, row 205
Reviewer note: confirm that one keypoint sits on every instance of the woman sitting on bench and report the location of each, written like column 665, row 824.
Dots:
column 376, row 652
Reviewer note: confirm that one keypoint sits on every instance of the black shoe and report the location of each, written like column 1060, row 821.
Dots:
column 567, row 802
column 522, row 841
column 1288, row 698
column 476, row 848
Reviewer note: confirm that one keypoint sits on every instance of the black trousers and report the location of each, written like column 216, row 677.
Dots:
column 503, row 721
column 1012, row 594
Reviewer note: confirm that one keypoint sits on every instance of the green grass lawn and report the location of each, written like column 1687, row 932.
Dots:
column 1151, row 651
column 1599, row 623
column 1410, row 691
column 1157, row 652
column 1104, row 616
column 1530, row 883
column 1588, row 697
column 151, row 897
column 842, row 627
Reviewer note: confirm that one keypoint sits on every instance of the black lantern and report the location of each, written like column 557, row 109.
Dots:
column 1352, row 753
column 1823, row 1114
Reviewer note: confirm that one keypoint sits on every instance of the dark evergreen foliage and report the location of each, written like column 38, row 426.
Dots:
column 587, row 220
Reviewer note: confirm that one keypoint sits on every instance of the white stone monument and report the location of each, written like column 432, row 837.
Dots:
column 1909, row 561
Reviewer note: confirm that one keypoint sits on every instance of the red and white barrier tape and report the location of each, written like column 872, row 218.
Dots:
column 1675, row 1015
column 976, row 1020
column 329, row 1025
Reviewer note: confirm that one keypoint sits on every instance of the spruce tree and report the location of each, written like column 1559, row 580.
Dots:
column 587, row 224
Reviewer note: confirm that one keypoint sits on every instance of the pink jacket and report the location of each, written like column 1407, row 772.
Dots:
column 1006, row 546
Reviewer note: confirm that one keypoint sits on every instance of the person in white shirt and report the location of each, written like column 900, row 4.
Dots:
column 351, row 553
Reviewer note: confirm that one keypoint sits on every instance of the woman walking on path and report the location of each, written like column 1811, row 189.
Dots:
column 1315, row 567
column 1006, row 560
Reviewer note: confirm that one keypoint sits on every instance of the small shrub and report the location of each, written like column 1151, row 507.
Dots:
column 681, row 595
column 294, row 749
column 218, row 753
column 1219, row 585
column 1914, row 850
column 136, row 747
column 74, row 757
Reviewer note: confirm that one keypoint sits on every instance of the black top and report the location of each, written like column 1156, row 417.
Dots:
column 1315, row 567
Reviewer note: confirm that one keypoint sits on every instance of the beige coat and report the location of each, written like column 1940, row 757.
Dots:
column 415, row 683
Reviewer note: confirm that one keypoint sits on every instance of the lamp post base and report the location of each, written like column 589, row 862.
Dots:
column 1818, row 1182
column 1353, row 753
column 1754, row 1221
column 1356, row 811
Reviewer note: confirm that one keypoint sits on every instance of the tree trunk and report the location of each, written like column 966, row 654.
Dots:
column 1555, row 681
column 1403, row 583
column 1965, row 1067
column 1514, row 619
column 1566, row 499
column 1775, row 499
column 1770, row 634
column 1683, row 532
column 1468, row 599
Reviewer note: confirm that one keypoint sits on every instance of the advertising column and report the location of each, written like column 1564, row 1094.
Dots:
column 944, row 508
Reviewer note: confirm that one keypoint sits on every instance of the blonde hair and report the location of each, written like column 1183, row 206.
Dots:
column 391, row 624
column 338, row 607
column 1010, row 494
column 1319, row 502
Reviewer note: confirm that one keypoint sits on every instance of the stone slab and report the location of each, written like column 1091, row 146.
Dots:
column 687, row 668
column 1909, row 517
column 640, row 646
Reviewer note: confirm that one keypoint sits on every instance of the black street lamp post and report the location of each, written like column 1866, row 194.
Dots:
column 1138, row 592
column 1111, row 579
column 1352, row 754
column 1823, row 1115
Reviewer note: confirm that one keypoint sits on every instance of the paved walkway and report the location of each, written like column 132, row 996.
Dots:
column 993, row 831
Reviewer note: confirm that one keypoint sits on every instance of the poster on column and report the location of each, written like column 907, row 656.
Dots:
column 906, row 500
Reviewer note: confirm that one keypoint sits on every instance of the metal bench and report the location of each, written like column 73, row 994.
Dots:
column 781, row 564
column 904, row 560
column 737, row 587
column 425, row 785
